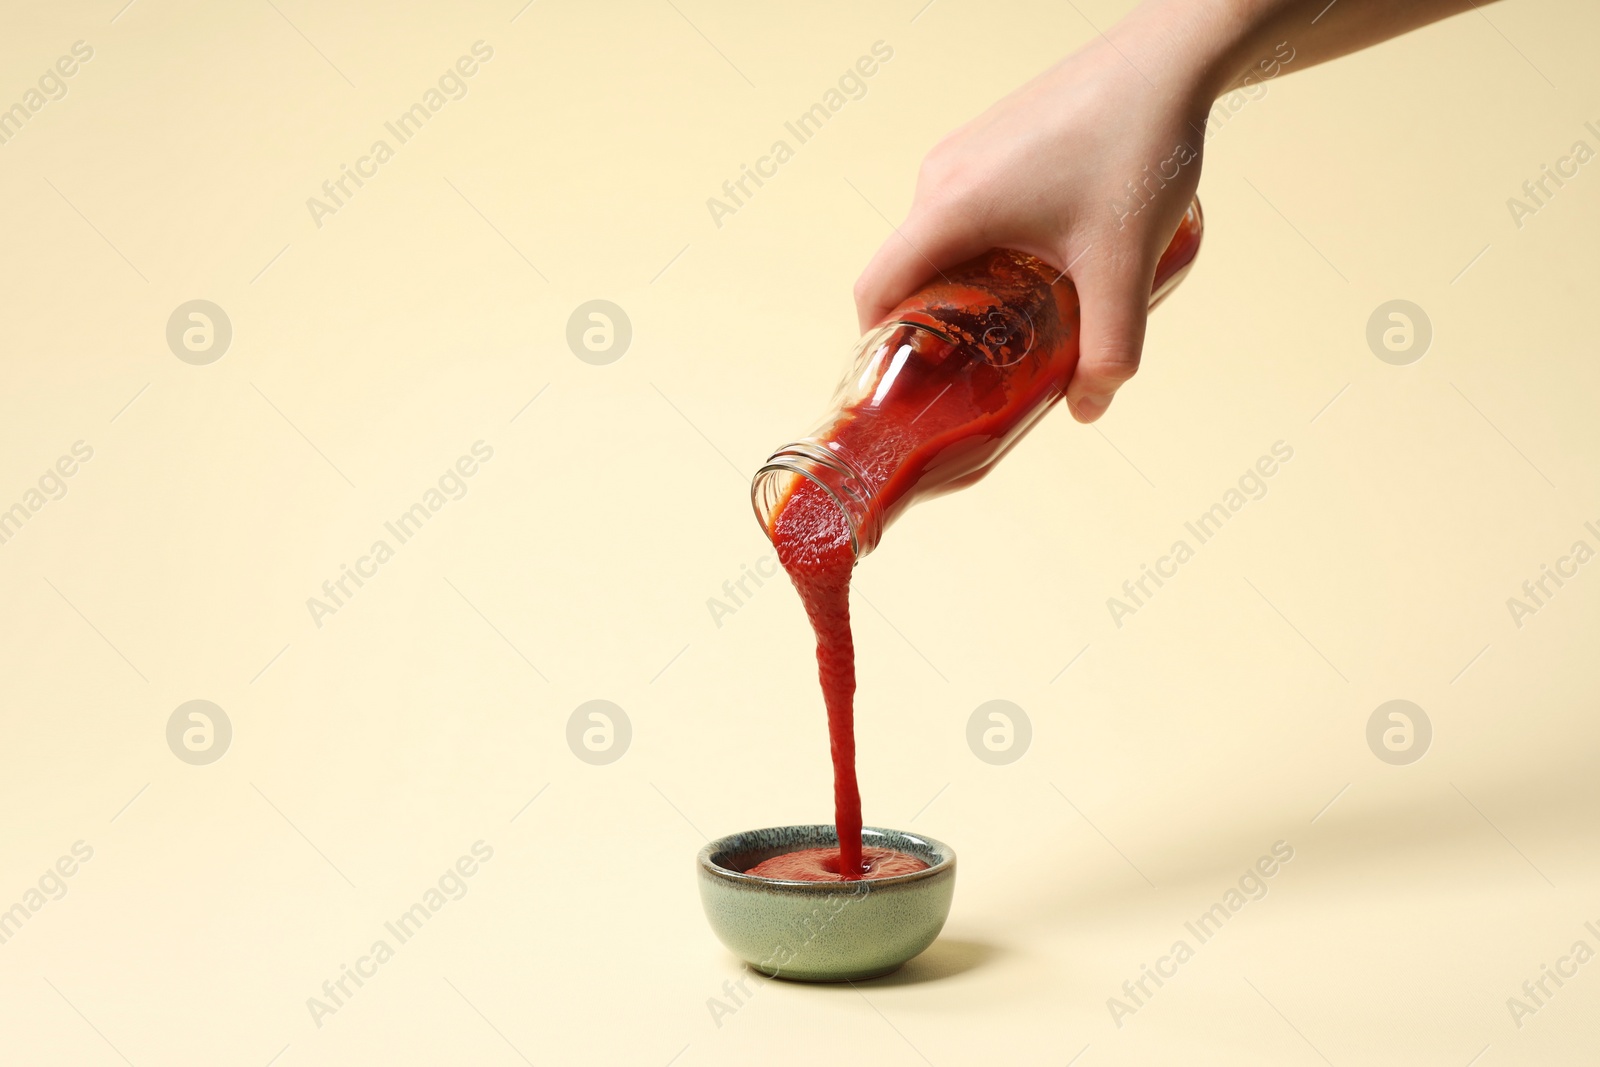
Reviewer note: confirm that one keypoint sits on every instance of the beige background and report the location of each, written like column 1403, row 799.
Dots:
column 371, row 752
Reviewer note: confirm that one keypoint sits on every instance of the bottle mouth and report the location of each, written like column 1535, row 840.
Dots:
column 775, row 482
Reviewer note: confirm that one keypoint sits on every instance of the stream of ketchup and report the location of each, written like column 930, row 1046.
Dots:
column 923, row 432
column 813, row 542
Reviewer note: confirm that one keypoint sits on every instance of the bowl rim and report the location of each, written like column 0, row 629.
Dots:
column 703, row 861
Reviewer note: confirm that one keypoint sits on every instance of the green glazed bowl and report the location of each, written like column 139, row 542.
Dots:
column 824, row 931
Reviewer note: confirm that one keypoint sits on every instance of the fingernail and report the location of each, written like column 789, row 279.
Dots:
column 1089, row 408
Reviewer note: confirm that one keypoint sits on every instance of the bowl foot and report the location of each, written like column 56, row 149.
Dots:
column 825, row 978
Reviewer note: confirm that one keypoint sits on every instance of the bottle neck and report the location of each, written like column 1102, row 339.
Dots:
column 845, row 486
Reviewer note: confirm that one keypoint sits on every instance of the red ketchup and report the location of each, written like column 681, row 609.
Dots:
column 936, row 395
column 823, row 865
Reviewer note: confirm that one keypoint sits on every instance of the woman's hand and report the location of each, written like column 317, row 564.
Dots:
column 1090, row 165
column 1070, row 168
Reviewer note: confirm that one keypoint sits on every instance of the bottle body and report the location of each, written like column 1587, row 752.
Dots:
column 948, row 384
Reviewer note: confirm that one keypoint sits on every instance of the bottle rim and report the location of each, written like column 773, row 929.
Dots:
column 773, row 484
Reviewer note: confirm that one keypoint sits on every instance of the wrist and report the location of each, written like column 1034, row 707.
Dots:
column 1206, row 47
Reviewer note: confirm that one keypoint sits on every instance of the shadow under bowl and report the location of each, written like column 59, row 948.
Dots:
column 824, row 931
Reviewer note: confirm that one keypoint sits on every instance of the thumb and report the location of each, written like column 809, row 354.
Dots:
column 1115, row 301
column 922, row 247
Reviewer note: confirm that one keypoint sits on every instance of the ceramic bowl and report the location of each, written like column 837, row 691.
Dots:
column 824, row 931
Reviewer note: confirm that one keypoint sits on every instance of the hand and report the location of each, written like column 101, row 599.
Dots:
column 1047, row 171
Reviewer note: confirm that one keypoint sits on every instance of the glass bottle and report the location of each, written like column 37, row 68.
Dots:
column 946, row 386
